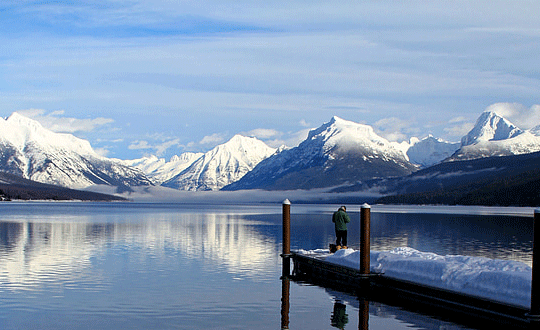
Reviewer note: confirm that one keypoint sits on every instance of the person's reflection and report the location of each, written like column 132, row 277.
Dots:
column 339, row 315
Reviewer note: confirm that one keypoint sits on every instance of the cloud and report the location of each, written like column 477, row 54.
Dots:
column 394, row 129
column 520, row 115
column 158, row 148
column 457, row 120
column 304, row 123
column 138, row 145
column 55, row 121
column 264, row 133
column 459, row 131
column 290, row 140
column 215, row 138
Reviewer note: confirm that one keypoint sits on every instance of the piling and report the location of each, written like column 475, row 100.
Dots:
column 365, row 231
column 286, row 237
column 535, row 281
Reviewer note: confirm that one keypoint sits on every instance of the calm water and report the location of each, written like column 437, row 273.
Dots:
column 163, row 266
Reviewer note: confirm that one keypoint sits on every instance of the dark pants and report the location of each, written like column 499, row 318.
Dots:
column 341, row 237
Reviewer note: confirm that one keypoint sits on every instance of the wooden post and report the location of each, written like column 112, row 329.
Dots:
column 534, row 313
column 286, row 237
column 365, row 219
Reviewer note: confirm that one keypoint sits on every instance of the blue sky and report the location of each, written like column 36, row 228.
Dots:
column 165, row 77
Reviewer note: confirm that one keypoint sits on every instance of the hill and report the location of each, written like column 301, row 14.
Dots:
column 502, row 181
column 14, row 187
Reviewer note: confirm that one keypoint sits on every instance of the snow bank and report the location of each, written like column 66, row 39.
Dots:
column 500, row 280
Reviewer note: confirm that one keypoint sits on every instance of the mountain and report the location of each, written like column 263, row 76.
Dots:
column 339, row 152
column 30, row 151
column 493, row 135
column 500, row 180
column 15, row 187
column 222, row 165
column 430, row 151
column 158, row 170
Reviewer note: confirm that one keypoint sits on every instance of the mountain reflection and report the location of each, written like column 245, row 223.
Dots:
column 33, row 254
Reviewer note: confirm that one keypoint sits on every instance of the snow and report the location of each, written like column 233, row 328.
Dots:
column 348, row 135
column 224, row 164
column 505, row 281
column 159, row 170
column 38, row 154
column 430, row 150
column 491, row 127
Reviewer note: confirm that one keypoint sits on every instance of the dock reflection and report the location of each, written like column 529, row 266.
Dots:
column 339, row 317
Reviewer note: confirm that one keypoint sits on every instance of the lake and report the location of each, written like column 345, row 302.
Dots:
column 174, row 266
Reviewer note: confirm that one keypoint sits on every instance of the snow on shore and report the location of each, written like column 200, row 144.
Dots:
column 500, row 280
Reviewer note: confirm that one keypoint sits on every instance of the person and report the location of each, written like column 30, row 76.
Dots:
column 341, row 219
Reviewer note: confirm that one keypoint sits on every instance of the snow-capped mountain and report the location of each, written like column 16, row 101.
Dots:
column 339, row 152
column 222, row 165
column 29, row 150
column 493, row 135
column 430, row 150
column 158, row 170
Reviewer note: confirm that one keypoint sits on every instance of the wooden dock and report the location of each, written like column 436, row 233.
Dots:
column 449, row 305
column 440, row 303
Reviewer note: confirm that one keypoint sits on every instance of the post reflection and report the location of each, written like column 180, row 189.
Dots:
column 363, row 314
column 285, row 292
column 338, row 318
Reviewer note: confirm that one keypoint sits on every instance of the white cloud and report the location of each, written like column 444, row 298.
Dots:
column 458, row 130
column 138, row 145
column 459, row 119
column 393, row 129
column 304, row 123
column 215, row 138
column 55, row 121
column 159, row 148
column 163, row 147
column 290, row 140
column 264, row 133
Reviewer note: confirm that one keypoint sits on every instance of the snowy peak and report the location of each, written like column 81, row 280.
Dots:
column 491, row 127
column 222, row 165
column 158, row 170
column 19, row 131
column 430, row 150
column 492, row 136
column 339, row 152
column 340, row 136
column 31, row 151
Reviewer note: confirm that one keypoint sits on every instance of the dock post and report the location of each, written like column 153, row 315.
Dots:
column 535, row 281
column 286, row 237
column 365, row 231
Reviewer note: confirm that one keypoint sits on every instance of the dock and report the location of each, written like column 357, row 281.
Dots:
column 377, row 287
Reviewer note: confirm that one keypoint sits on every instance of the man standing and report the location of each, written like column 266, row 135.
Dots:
column 341, row 219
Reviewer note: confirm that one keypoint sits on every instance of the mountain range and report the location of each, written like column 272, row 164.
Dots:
column 339, row 152
column 339, row 155
column 32, row 152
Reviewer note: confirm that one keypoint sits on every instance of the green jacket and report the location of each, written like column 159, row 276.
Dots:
column 341, row 219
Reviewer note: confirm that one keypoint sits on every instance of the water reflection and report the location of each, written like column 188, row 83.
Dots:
column 371, row 314
column 33, row 253
column 339, row 318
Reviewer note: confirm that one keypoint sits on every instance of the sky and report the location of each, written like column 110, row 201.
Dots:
column 138, row 78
